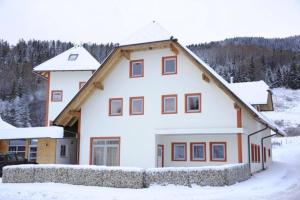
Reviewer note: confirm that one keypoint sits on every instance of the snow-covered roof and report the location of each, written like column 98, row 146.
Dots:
column 150, row 33
column 254, row 92
column 31, row 132
column 75, row 58
column 5, row 125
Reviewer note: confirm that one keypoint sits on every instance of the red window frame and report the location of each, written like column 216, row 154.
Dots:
column 192, row 152
column 163, row 104
column 211, row 152
column 61, row 99
column 163, row 64
column 186, row 102
column 269, row 152
column 173, row 147
column 110, row 113
column 131, row 107
column 131, row 66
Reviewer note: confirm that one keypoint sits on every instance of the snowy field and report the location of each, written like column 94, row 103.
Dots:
column 280, row 181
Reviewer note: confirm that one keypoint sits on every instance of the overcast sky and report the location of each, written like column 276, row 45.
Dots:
column 192, row 21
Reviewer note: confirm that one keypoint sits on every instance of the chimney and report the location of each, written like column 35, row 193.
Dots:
column 231, row 79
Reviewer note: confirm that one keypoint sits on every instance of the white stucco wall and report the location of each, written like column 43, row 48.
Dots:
column 68, row 82
column 138, row 132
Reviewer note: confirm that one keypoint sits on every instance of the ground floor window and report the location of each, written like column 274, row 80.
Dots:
column 17, row 146
column 105, row 151
column 218, row 151
column 32, row 153
column 178, row 151
column 198, row 151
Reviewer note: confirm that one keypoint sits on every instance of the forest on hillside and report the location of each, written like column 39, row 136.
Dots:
column 22, row 93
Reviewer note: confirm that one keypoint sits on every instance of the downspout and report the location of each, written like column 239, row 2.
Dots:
column 262, row 147
column 249, row 160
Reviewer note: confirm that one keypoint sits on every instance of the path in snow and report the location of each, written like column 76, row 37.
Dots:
column 280, row 181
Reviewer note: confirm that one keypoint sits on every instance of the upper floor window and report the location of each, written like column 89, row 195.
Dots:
column 178, row 151
column 136, row 68
column 56, row 95
column 169, row 104
column 169, row 65
column 72, row 57
column 115, row 106
column 218, row 151
column 198, row 151
column 193, row 103
column 136, row 105
column 81, row 84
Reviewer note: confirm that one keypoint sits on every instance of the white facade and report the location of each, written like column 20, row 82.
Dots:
column 140, row 134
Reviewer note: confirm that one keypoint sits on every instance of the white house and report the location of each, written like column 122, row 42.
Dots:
column 153, row 103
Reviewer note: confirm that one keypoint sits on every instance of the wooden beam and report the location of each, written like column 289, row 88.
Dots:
column 174, row 49
column 74, row 113
column 205, row 77
column 98, row 85
column 126, row 54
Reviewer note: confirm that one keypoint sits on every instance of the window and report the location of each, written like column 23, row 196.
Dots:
column 198, row 152
column 169, row 65
column 169, row 104
column 178, row 151
column 63, row 151
column 17, row 146
column 269, row 153
column 56, row 95
column 115, row 106
column 136, row 68
column 252, row 153
column 136, row 105
column 105, row 151
column 193, row 103
column 81, row 84
column 218, row 151
column 72, row 57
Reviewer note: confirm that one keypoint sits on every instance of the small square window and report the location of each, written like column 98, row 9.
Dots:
column 218, row 151
column 193, row 103
column 136, row 105
column 169, row 65
column 178, row 151
column 56, row 95
column 136, row 68
column 169, row 104
column 72, row 57
column 198, row 151
column 115, row 106
column 81, row 84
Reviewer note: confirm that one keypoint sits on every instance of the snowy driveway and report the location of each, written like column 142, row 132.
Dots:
column 280, row 182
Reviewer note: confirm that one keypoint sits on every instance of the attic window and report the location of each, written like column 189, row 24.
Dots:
column 72, row 57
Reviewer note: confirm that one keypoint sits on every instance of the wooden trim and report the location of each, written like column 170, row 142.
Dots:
column 225, row 152
column 109, row 107
column 104, row 138
column 239, row 117
column 163, row 65
column 252, row 153
column 163, row 154
column 130, row 105
column 186, row 102
column 240, row 147
column 163, row 105
column 131, row 71
column 205, row 78
column 185, row 150
column 62, row 94
column 81, row 84
column 191, row 151
column 258, row 149
column 47, row 101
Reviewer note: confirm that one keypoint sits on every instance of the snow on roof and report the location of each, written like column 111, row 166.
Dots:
column 75, row 58
column 31, row 132
column 151, row 33
column 254, row 92
column 5, row 125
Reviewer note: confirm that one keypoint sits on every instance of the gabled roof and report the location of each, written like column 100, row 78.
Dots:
column 255, row 92
column 83, row 61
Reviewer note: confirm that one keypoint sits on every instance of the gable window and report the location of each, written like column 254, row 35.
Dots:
column 218, row 151
column 193, row 103
column 169, row 104
column 115, row 106
column 198, row 151
column 56, row 95
column 169, row 65
column 81, row 84
column 72, row 57
column 178, row 151
column 136, row 68
column 136, row 105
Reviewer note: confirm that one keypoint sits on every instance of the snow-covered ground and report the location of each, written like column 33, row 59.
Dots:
column 280, row 181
